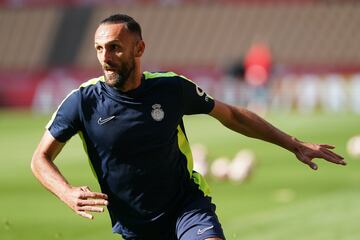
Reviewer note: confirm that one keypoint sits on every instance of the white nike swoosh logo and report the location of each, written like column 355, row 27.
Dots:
column 201, row 231
column 102, row 121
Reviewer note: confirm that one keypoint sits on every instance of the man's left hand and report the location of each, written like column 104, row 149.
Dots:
column 306, row 152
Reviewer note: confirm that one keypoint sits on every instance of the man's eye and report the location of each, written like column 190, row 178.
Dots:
column 98, row 48
column 114, row 47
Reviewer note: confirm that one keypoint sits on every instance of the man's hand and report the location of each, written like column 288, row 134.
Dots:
column 82, row 200
column 79, row 199
column 306, row 152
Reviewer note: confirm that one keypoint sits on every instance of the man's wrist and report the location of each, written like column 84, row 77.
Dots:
column 294, row 144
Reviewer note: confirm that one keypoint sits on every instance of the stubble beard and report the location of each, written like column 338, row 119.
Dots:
column 120, row 76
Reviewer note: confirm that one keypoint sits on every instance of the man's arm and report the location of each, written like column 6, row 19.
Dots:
column 249, row 124
column 80, row 199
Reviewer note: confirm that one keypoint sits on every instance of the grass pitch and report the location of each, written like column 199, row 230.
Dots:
column 284, row 199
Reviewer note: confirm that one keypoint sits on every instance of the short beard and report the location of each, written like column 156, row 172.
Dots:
column 118, row 79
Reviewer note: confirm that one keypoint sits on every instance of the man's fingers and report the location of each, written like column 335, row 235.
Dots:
column 328, row 146
column 91, row 209
column 333, row 154
column 313, row 166
column 93, row 202
column 85, row 189
column 85, row 214
column 303, row 158
column 332, row 157
column 85, row 195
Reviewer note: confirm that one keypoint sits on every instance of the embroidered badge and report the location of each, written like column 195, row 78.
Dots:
column 157, row 113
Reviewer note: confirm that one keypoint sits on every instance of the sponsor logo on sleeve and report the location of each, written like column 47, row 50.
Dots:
column 201, row 93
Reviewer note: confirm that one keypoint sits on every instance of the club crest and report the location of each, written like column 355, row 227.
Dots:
column 157, row 113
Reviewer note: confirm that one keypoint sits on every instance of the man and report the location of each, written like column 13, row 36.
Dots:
column 131, row 125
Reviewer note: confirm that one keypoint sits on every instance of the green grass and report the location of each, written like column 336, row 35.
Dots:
column 284, row 199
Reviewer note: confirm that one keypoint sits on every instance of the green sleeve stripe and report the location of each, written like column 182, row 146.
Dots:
column 90, row 82
column 185, row 149
column 201, row 182
column 87, row 153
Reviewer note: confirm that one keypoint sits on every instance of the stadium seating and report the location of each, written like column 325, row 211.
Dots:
column 26, row 35
column 197, row 34
column 322, row 34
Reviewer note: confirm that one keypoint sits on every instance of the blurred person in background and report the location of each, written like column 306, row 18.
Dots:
column 307, row 93
column 252, row 74
column 257, row 65
column 355, row 93
column 131, row 125
column 332, row 93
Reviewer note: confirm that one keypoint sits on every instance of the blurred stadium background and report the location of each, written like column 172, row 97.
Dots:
column 296, row 62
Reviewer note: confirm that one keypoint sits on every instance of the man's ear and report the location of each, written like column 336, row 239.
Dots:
column 140, row 48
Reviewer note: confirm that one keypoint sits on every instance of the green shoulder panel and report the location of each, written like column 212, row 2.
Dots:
column 149, row 75
column 92, row 81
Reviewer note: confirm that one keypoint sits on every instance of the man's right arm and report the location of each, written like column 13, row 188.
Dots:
column 81, row 199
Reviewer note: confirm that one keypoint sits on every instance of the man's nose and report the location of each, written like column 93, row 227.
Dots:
column 107, row 56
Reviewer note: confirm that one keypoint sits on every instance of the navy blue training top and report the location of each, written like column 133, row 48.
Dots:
column 136, row 143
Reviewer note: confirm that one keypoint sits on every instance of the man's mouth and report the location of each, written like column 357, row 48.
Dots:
column 109, row 70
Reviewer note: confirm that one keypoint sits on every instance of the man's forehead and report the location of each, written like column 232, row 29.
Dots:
column 109, row 31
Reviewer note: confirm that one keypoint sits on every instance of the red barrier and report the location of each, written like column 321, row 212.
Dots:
column 19, row 89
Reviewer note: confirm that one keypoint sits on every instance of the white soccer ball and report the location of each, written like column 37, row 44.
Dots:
column 220, row 168
column 353, row 146
column 241, row 166
column 200, row 153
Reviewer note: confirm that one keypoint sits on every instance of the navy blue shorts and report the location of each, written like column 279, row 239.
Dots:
column 196, row 220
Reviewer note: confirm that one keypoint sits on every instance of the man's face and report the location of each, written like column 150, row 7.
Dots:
column 115, row 47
